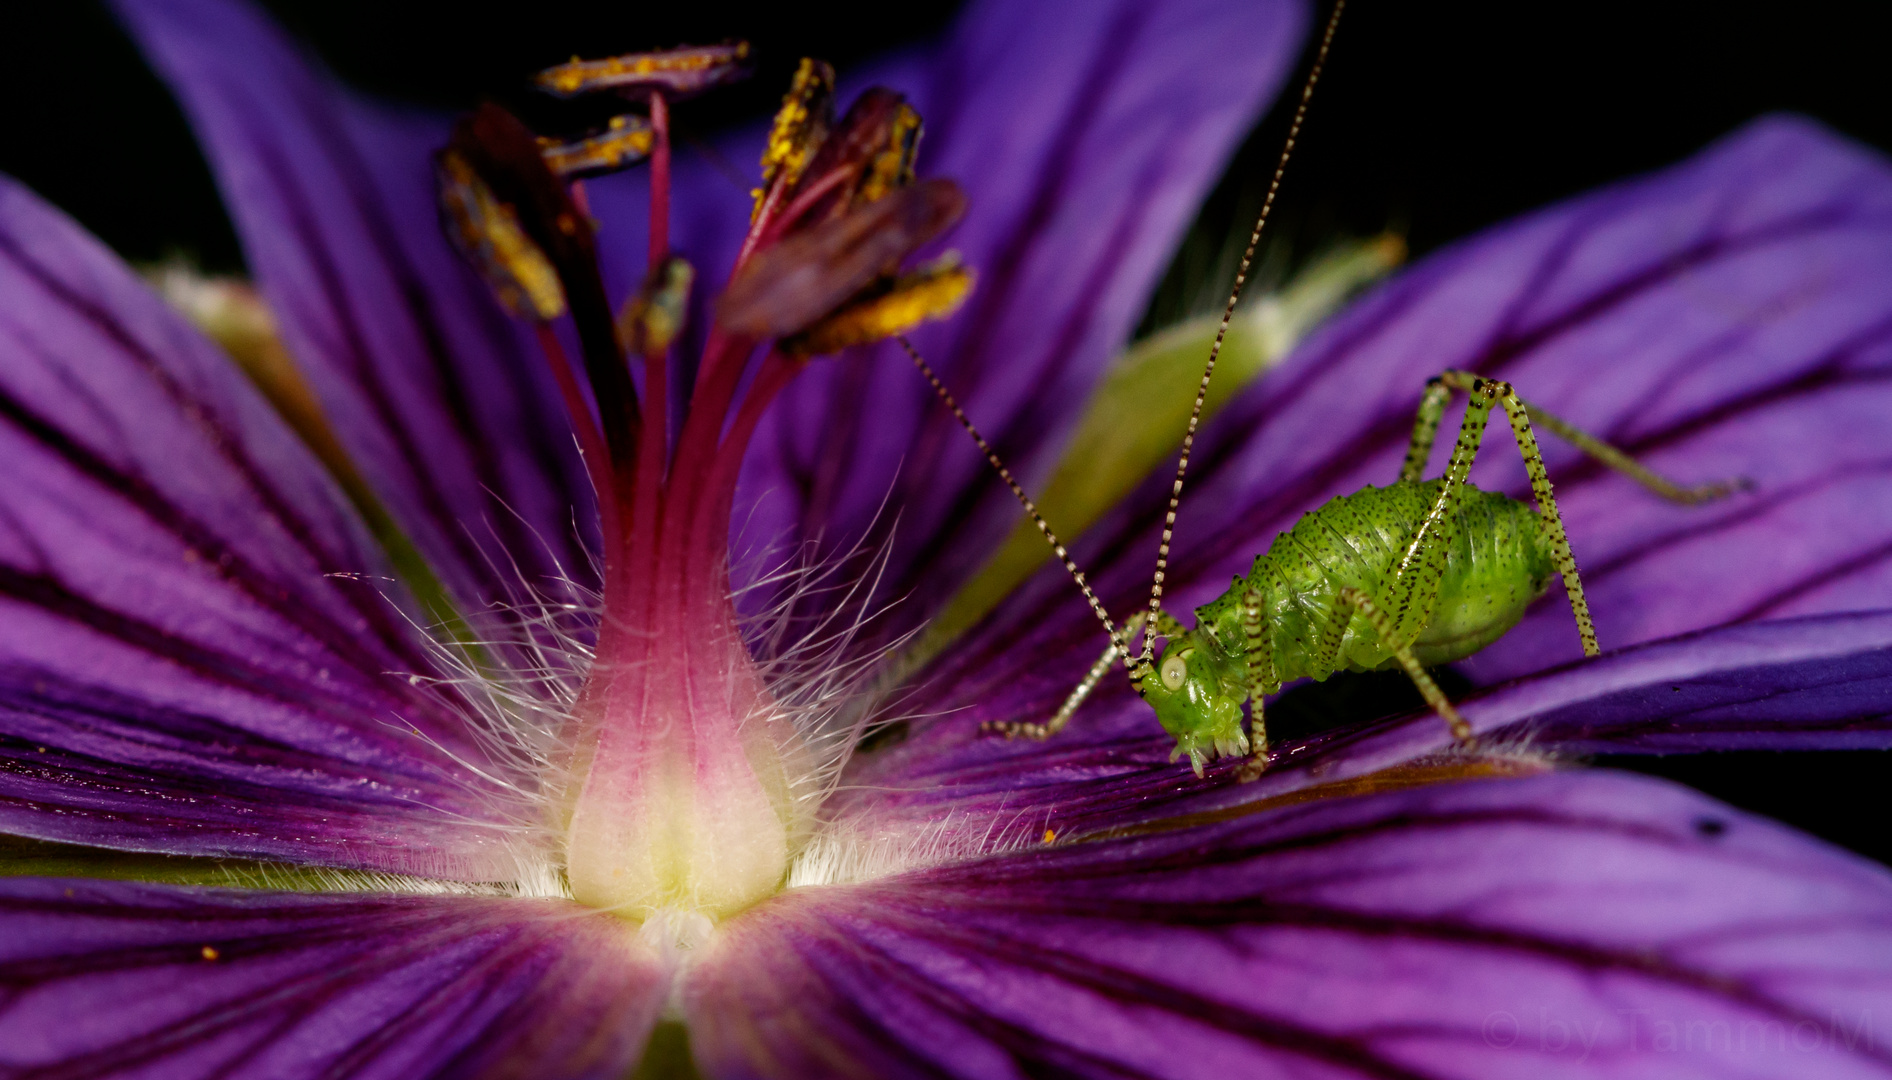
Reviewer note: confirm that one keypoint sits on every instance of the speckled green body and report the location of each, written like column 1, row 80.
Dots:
column 1498, row 562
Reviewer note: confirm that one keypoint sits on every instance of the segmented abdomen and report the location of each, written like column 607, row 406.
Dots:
column 1495, row 566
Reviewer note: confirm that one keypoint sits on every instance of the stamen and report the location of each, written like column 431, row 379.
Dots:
column 933, row 291
column 488, row 233
column 679, row 72
column 624, row 143
column 801, row 126
column 786, row 288
column 659, row 181
column 507, row 157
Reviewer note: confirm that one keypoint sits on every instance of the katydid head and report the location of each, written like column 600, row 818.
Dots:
column 1194, row 703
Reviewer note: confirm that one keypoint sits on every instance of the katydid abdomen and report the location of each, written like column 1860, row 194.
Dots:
column 1497, row 565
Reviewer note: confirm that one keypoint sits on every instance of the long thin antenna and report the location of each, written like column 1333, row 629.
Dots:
column 1031, row 508
column 1228, row 312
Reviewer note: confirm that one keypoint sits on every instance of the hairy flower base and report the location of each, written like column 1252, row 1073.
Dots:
column 687, row 801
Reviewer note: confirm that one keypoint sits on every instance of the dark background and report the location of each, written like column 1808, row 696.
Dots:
column 1435, row 119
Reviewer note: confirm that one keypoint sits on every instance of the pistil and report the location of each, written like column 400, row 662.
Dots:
column 688, row 782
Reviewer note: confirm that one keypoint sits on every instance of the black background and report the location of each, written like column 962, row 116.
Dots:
column 1435, row 119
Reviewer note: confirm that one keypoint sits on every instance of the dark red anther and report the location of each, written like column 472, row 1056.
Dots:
column 508, row 157
column 789, row 285
column 877, row 123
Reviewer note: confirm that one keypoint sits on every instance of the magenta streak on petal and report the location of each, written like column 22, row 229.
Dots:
column 1371, row 937
column 113, row 978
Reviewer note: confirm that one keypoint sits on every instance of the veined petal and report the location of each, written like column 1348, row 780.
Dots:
column 435, row 392
column 120, row 979
column 1814, row 683
column 1730, row 317
column 1820, row 682
column 1084, row 137
column 1574, row 925
column 196, row 655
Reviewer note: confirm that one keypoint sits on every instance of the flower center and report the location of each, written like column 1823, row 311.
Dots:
column 690, row 784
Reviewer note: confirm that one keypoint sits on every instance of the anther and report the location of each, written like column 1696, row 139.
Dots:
column 869, row 154
column 488, row 232
column 801, row 126
column 652, row 319
column 624, row 143
column 678, row 73
column 932, row 291
column 788, row 287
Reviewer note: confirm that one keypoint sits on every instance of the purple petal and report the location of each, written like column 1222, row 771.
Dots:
column 433, row 390
column 1817, row 683
column 1729, row 317
column 195, row 656
column 1575, row 925
column 1084, row 137
column 120, row 979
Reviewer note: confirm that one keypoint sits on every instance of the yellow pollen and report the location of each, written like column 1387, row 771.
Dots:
column 931, row 292
column 489, row 232
column 892, row 167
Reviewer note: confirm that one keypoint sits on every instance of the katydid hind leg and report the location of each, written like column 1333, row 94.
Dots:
column 1412, row 590
column 1551, row 522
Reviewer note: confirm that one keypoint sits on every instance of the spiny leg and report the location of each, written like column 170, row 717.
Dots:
column 1014, row 729
column 1415, row 578
column 1414, row 585
column 1383, row 626
column 1262, row 678
column 1605, row 453
column 1425, row 428
column 1621, row 462
column 1552, row 522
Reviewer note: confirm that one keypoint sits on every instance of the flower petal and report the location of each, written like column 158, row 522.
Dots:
column 1584, row 924
column 195, row 653
column 113, row 978
column 1731, row 317
column 1084, row 137
column 1816, row 683
column 437, row 395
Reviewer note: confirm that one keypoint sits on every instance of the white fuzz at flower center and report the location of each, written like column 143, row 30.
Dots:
column 687, row 797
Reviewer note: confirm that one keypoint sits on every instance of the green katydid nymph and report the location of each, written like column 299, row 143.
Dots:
column 1412, row 575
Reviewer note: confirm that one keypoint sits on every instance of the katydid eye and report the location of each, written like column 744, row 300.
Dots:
column 1175, row 671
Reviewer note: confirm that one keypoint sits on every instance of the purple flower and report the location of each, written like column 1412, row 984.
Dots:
column 209, row 659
